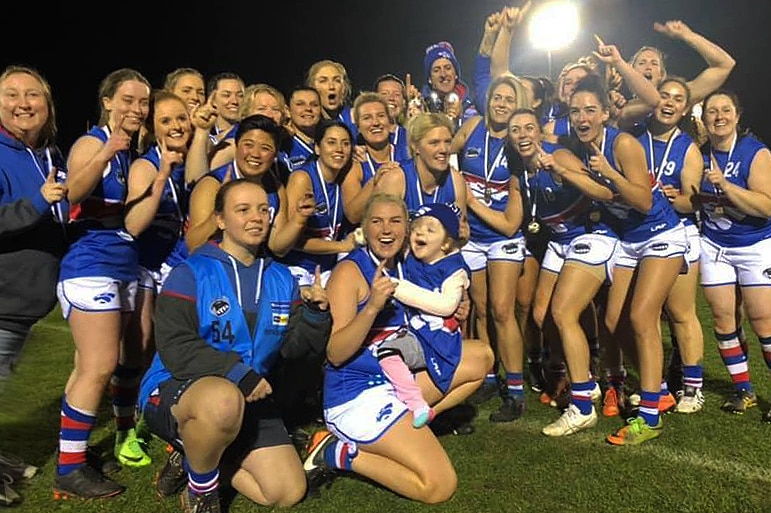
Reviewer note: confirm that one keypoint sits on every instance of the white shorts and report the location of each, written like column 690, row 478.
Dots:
column 750, row 266
column 590, row 249
column 366, row 418
column 672, row 243
column 304, row 278
column 96, row 294
column 477, row 254
column 153, row 280
column 694, row 243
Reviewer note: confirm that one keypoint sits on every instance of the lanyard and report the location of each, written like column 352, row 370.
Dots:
column 660, row 169
column 56, row 208
column 331, row 221
column 371, row 163
column 713, row 160
column 530, row 197
column 174, row 195
column 419, row 188
column 303, row 144
column 490, row 170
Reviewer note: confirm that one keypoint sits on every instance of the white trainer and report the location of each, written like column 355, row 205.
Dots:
column 571, row 421
column 691, row 400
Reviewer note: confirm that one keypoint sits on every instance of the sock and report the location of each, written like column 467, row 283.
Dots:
column 664, row 387
column 400, row 376
column 492, row 376
column 649, row 407
column 692, row 376
column 201, row 483
column 340, row 455
column 515, row 384
column 734, row 359
column 76, row 426
column 581, row 394
column 765, row 345
column 124, row 387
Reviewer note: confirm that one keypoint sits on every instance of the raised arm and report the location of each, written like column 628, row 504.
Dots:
column 719, row 62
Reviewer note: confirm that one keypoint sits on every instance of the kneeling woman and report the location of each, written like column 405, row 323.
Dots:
column 222, row 319
column 372, row 434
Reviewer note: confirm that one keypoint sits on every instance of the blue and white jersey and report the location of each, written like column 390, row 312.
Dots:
column 560, row 204
column 163, row 241
column 562, row 127
column 298, row 152
column 230, row 135
column 271, row 183
column 101, row 245
column 632, row 225
column 440, row 337
column 401, row 146
column 370, row 166
column 485, row 168
column 723, row 223
column 362, row 371
column 416, row 197
column 325, row 223
column 666, row 160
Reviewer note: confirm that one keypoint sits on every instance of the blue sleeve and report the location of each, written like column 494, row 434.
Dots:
column 482, row 79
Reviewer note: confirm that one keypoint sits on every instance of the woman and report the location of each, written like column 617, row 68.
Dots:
column 652, row 248
column 319, row 181
column 97, row 285
column 331, row 80
column 257, row 143
column 156, row 208
column 495, row 251
column 223, row 318
column 677, row 164
column 736, row 238
column 188, row 84
column 304, row 116
column 373, row 434
column 579, row 258
column 33, row 213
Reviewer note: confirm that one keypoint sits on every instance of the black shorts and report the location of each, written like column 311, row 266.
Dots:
column 262, row 425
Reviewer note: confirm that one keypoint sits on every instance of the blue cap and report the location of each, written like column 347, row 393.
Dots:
column 447, row 214
column 437, row 51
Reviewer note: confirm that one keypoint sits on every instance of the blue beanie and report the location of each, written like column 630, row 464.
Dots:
column 447, row 214
column 437, row 51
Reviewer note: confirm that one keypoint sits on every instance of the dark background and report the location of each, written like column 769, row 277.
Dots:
column 75, row 45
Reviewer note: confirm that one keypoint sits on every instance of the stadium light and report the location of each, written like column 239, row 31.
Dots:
column 553, row 27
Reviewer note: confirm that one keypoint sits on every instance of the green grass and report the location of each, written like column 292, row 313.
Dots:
column 708, row 462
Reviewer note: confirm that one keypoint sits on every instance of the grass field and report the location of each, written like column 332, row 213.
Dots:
column 707, row 462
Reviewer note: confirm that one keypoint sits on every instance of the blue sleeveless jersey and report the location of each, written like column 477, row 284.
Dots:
column 401, row 145
column 325, row 223
column 163, row 241
column 732, row 227
column 440, row 337
column 560, row 204
column 416, row 197
column 270, row 183
column 562, row 126
column 484, row 166
column 222, row 322
column 632, row 225
column 669, row 172
column 101, row 246
column 298, row 152
column 362, row 371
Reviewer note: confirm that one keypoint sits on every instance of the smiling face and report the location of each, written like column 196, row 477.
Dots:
column 433, row 149
column 525, row 135
column 23, row 106
column 443, row 75
column 428, row 239
column 393, row 93
column 244, row 219
column 373, row 123
column 335, row 149
column 305, row 110
column 129, row 106
column 268, row 105
column 673, row 104
column 385, row 228
column 502, row 102
column 171, row 124
column 255, row 153
column 720, row 117
column 227, row 99
column 191, row 89
column 588, row 116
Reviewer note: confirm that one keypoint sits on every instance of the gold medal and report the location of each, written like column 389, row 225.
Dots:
column 594, row 216
column 719, row 210
column 488, row 194
column 534, row 227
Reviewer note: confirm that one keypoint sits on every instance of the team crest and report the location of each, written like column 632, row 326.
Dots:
column 220, row 307
column 279, row 313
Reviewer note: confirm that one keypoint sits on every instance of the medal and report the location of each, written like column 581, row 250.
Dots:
column 594, row 216
column 534, row 227
column 719, row 210
column 488, row 195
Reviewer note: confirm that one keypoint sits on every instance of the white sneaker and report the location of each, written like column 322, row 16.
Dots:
column 571, row 421
column 690, row 400
column 596, row 393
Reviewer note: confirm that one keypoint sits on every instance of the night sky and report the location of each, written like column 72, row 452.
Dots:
column 75, row 47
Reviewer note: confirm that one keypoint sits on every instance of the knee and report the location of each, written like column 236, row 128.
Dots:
column 539, row 315
column 440, row 487
column 502, row 311
column 291, row 494
column 563, row 317
column 644, row 323
column 223, row 407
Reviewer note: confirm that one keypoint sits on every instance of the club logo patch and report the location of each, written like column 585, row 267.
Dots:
column 582, row 248
column 279, row 313
column 660, row 246
column 220, row 307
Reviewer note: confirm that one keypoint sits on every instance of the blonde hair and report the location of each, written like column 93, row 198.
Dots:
column 314, row 70
column 512, row 81
column 420, row 124
column 49, row 130
column 253, row 90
